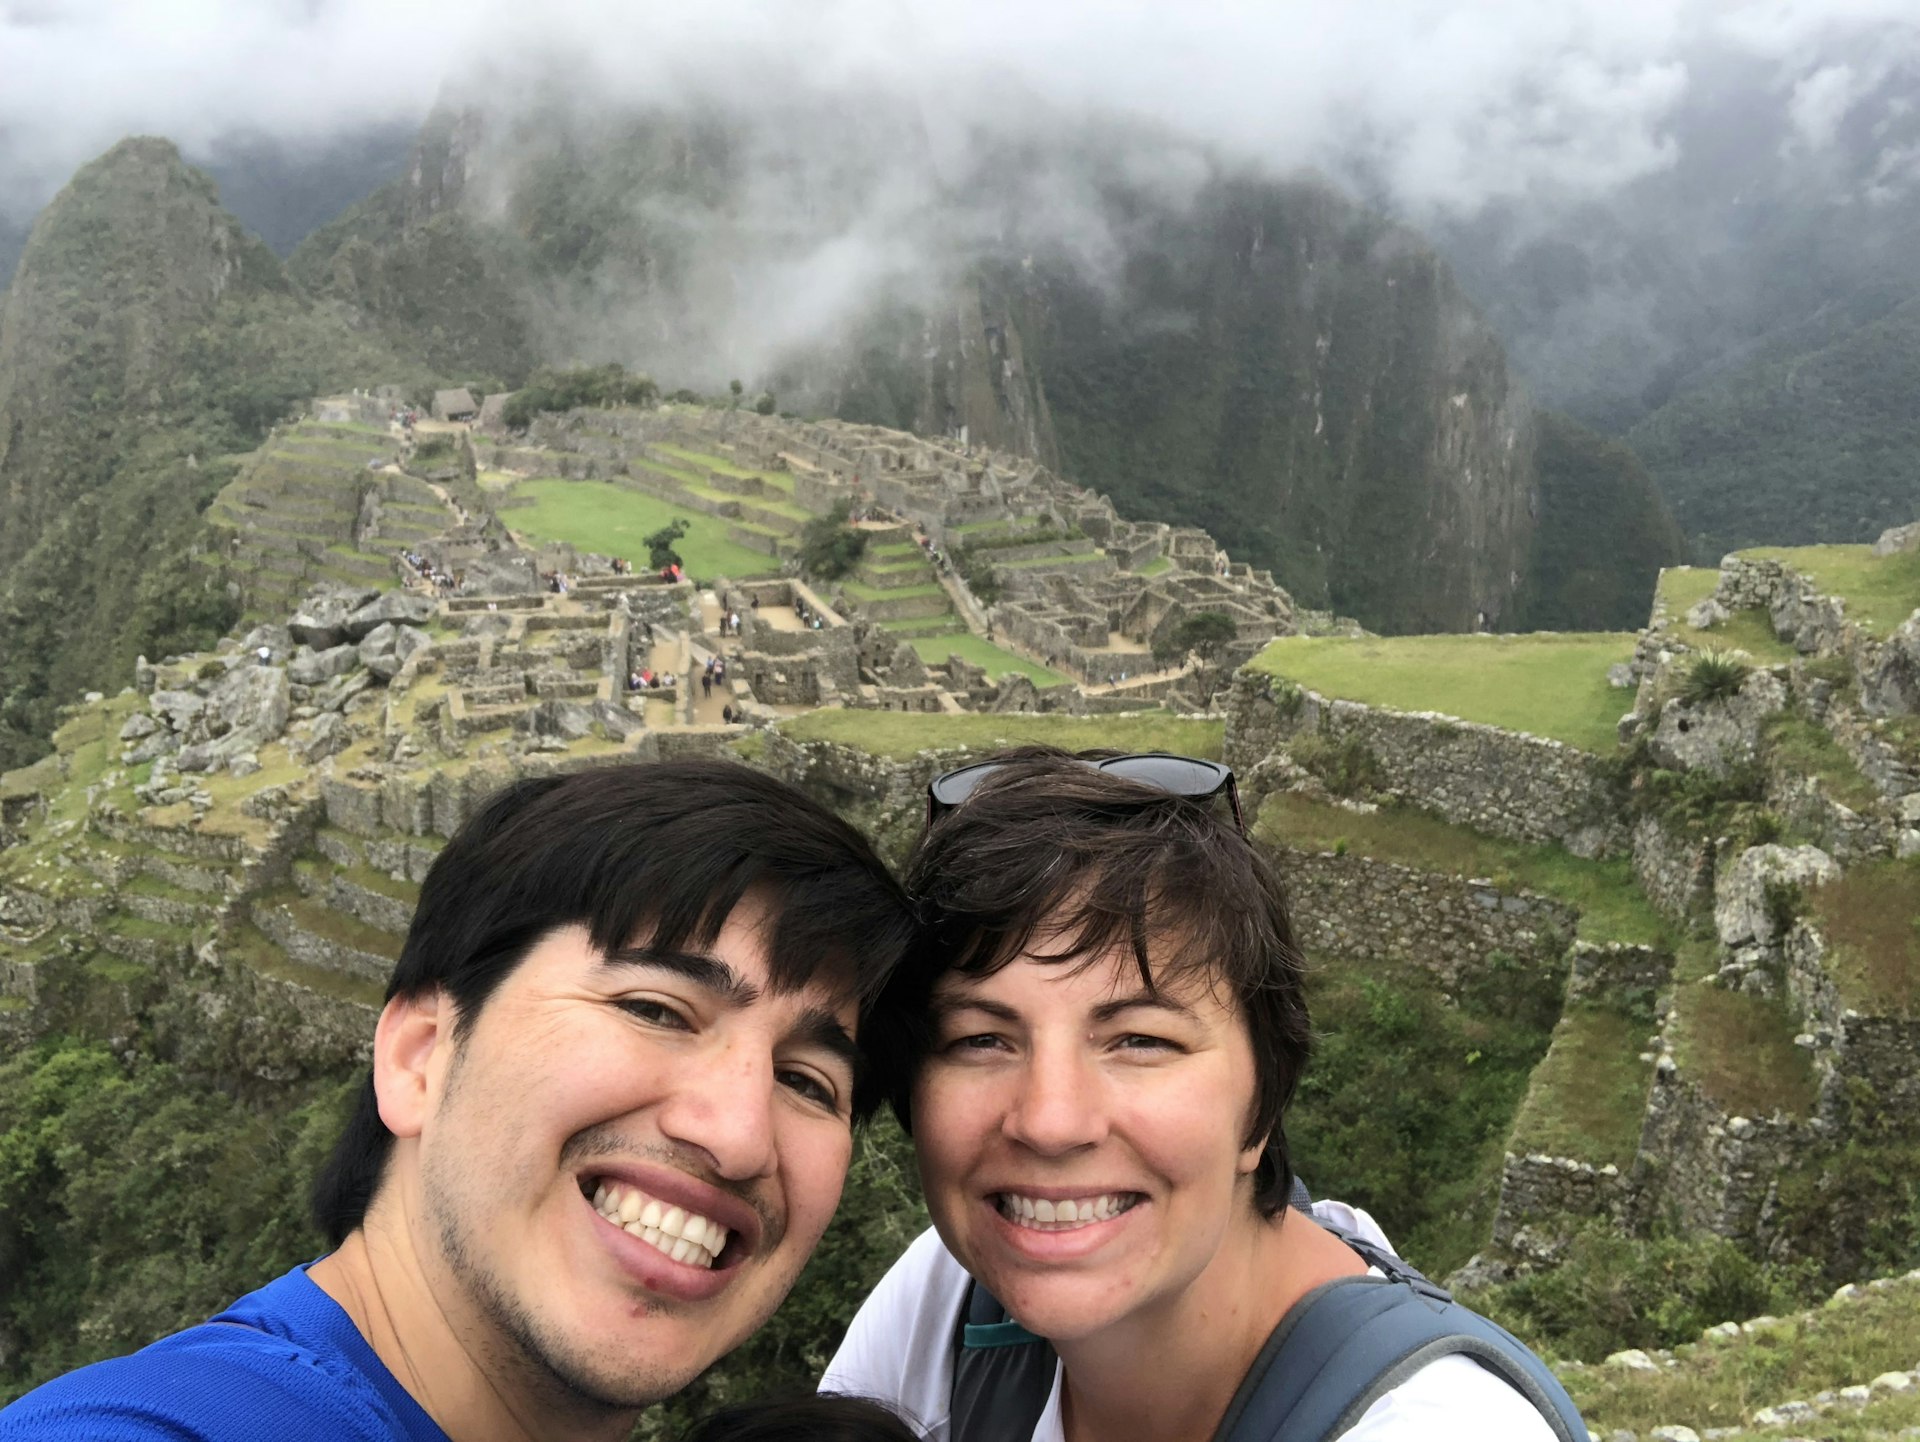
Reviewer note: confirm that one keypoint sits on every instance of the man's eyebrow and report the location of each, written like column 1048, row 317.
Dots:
column 820, row 1028
column 705, row 972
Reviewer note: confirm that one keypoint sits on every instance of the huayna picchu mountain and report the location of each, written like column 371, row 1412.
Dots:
column 145, row 339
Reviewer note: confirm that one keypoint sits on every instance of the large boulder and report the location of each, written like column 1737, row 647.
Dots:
column 326, row 736
column 616, row 721
column 321, row 621
column 564, row 720
column 179, row 709
column 277, row 639
column 1712, row 736
column 1749, row 895
column 401, row 608
column 386, row 648
column 311, row 668
column 334, row 696
column 139, row 726
column 1890, row 684
column 251, row 701
column 1898, row 539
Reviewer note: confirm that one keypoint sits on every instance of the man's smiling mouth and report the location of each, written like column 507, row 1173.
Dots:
column 685, row 1237
column 1045, row 1214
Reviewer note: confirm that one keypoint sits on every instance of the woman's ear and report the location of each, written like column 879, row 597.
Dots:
column 412, row 1032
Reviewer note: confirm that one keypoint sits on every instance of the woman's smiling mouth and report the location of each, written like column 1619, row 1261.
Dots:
column 1063, row 1214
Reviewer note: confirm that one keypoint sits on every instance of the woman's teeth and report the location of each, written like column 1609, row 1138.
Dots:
column 1045, row 1215
column 684, row 1236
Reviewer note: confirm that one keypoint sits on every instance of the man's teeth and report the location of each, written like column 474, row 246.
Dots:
column 684, row 1236
column 1045, row 1215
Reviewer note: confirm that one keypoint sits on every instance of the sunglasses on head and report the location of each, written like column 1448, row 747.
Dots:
column 1183, row 776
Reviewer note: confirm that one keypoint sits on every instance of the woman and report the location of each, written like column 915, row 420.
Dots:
column 1113, row 1022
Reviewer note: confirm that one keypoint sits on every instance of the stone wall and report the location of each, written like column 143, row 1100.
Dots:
column 1619, row 972
column 1674, row 870
column 1703, row 1170
column 1355, row 906
column 1504, row 783
column 1849, row 1046
column 1537, row 1189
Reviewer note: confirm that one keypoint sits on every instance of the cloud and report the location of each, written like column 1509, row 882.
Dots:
column 1442, row 105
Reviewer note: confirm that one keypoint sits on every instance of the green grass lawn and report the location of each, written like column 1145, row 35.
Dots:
column 780, row 480
column 863, row 592
column 595, row 516
column 934, row 650
column 899, row 734
column 1611, row 906
column 1547, row 684
column 1158, row 566
column 1740, row 1050
column 1880, row 591
column 1800, row 746
column 1589, row 1093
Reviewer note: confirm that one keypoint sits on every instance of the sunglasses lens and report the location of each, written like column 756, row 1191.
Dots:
column 1181, row 775
column 956, row 786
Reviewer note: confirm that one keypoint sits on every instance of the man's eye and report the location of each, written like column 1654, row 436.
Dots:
column 655, row 1013
column 809, row 1086
column 1139, row 1041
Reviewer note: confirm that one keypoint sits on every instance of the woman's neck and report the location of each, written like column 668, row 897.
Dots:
column 1119, row 1381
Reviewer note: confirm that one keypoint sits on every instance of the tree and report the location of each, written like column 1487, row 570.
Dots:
column 829, row 547
column 660, row 551
column 1206, row 632
column 766, row 404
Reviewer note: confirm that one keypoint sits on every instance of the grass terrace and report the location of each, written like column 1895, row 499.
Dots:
column 1158, row 566
column 999, row 662
column 1880, row 591
column 1801, row 746
column 1682, row 587
column 1545, row 684
column 779, row 480
column 1723, row 1383
column 1612, row 907
column 596, row 516
column 1589, row 1093
column 1871, row 917
column 899, row 735
column 1740, row 1050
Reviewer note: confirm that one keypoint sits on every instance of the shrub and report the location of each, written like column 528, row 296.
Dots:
column 1714, row 676
column 1346, row 767
column 564, row 390
column 829, row 547
column 660, row 551
column 1205, row 632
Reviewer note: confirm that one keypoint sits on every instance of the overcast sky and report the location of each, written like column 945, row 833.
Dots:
column 1443, row 105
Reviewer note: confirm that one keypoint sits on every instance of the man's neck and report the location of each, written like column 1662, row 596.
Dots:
column 473, row 1383
column 1208, row 1336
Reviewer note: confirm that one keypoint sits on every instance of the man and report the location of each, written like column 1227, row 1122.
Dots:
column 608, row 1118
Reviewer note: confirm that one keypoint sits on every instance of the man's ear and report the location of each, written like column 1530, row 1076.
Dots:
column 411, row 1034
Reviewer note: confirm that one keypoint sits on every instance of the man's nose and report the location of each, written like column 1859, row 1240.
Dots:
column 724, row 1107
column 1059, row 1105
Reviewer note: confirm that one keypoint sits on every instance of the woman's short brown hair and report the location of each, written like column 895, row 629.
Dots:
column 1085, row 861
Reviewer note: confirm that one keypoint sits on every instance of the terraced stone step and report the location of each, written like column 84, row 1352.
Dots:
column 309, row 934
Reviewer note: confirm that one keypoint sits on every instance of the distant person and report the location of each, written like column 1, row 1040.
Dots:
column 608, row 1118
column 264, row 655
column 726, row 715
column 706, row 684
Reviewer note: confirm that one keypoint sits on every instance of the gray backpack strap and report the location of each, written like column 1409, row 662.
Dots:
column 1348, row 1343
column 1002, row 1373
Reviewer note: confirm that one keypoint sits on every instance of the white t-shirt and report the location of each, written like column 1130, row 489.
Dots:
column 899, row 1350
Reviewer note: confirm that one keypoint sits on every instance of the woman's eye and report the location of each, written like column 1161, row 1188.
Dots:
column 655, row 1013
column 979, row 1041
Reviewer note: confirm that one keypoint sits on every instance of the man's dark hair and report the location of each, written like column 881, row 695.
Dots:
column 668, row 849
column 1052, row 856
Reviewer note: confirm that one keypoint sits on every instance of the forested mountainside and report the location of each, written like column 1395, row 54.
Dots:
column 1265, row 359
column 146, row 338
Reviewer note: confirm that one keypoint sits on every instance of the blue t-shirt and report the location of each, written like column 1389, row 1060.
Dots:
column 285, row 1363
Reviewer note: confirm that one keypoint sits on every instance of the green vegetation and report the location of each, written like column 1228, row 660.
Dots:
column 1589, row 1095
column 829, row 547
column 999, row 662
column 901, row 734
column 1613, row 1291
column 1612, row 907
column 660, row 544
column 1591, row 486
column 1740, row 1050
column 1405, row 1107
column 596, row 516
column 1713, row 676
column 1880, row 591
column 1547, row 685
column 564, row 390
column 102, row 1256
column 1813, row 444
column 1204, row 632
column 1869, row 918
column 1799, row 746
